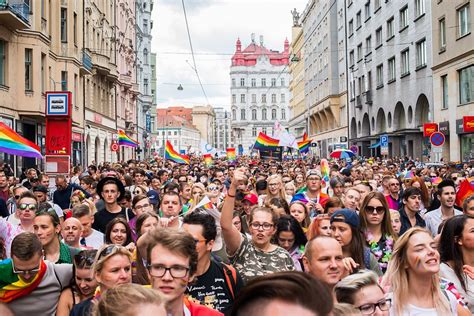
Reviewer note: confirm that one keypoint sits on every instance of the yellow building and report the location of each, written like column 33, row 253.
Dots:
column 298, row 123
column 204, row 118
column 40, row 50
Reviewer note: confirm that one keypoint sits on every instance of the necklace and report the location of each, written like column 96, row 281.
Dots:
column 383, row 255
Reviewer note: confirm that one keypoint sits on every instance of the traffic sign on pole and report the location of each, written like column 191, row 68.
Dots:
column 437, row 139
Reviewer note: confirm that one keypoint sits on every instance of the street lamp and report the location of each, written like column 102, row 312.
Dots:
column 180, row 88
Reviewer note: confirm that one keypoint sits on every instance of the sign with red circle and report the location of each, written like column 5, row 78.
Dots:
column 437, row 139
column 114, row 147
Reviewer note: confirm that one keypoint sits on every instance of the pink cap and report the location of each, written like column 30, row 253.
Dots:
column 252, row 198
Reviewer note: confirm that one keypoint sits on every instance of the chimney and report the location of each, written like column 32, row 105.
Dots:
column 261, row 40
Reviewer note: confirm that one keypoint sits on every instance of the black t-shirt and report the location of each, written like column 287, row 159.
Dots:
column 103, row 217
column 212, row 290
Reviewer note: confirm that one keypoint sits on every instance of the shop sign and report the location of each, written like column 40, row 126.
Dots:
column 76, row 137
column 444, row 127
column 429, row 128
column 468, row 124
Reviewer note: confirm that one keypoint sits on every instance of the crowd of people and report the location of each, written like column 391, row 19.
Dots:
column 244, row 237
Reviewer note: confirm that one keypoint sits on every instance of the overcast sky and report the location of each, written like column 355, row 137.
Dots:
column 215, row 26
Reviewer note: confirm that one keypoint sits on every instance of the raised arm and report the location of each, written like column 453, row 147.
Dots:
column 231, row 235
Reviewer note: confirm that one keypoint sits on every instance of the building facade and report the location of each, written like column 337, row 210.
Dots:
column 40, row 50
column 100, row 87
column 325, row 74
column 223, row 128
column 143, row 29
column 453, row 76
column 298, row 113
column 259, row 91
column 390, row 77
column 204, row 119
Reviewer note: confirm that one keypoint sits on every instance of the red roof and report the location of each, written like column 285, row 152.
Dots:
column 248, row 57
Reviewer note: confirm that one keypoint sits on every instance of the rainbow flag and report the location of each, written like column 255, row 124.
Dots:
column 208, row 160
column 265, row 142
column 12, row 287
column 303, row 146
column 124, row 140
column 466, row 189
column 173, row 155
column 230, row 154
column 325, row 169
column 13, row 144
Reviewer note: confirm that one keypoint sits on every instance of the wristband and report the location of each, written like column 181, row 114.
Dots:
column 229, row 195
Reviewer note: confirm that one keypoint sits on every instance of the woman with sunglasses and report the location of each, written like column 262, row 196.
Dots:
column 113, row 267
column 377, row 227
column 256, row 256
column 48, row 229
column 413, row 280
column 84, row 283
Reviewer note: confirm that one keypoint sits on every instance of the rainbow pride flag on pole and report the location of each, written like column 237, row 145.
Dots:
column 173, row 155
column 265, row 142
column 13, row 144
column 230, row 152
column 124, row 140
column 208, row 160
column 303, row 146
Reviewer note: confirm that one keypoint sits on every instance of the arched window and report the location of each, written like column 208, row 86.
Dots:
column 234, row 114
column 274, row 114
column 242, row 114
column 283, row 114
column 254, row 115
column 264, row 114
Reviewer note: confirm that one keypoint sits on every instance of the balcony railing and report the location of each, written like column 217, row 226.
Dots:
column 14, row 14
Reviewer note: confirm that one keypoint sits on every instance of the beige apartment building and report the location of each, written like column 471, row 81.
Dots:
column 40, row 50
column 299, row 119
column 204, row 119
column 453, row 75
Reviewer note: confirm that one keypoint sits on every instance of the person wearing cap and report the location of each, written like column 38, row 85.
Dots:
column 213, row 285
column 248, row 202
column 41, row 193
column 345, row 227
column 110, row 190
column 316, row 199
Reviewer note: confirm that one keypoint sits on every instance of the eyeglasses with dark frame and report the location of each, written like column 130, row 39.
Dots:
column 32, row 271
column 264, row 226
column 159, row 271
column 379, row 209
column 369, row 309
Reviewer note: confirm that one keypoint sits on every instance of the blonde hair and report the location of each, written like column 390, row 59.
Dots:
column 344, row 309
column 394, row 213
column 397, row 276
column 125, row 299
column 347, row 288
column 103, row 254
column 281, row 191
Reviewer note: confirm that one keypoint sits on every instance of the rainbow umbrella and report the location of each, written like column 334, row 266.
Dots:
column 342, row 153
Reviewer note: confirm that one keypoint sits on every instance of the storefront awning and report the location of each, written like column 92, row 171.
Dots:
column 374, row 145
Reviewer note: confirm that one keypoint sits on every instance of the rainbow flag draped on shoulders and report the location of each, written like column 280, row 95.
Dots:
column 12, row 287
column 265, row 142
column 124, row 140
column 303, row 146
column 173, row 155
column 13, row 144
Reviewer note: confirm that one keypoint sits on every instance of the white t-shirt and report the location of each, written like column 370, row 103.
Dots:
column 412, row 310
column 95, row 240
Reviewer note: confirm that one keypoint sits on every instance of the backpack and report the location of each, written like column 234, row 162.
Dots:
column 230, row 275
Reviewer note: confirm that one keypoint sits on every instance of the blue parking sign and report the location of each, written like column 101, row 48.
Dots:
column 384, row 141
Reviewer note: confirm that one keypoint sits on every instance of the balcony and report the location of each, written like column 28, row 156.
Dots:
column 86, row 66
column 14, row 14
column 100, row 63
column 126, row 80
column 358, row 102
column 368, row 97
column 113, row 75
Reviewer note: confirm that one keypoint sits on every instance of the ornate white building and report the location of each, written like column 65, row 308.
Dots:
column 259, row 91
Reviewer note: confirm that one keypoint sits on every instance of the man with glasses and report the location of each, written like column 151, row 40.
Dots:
column 216, row 285
column 38, row 283
column 172, row 262
column 393, row 197
column 27, row 207
column 316, row 199
column 12, row 204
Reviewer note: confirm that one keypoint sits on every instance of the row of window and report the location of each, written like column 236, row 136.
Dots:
column 463, row 25
column 466, row 87
column 254, row 114
column 263, row 98
column 263, row 82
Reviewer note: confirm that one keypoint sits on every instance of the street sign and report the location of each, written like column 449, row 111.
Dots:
column 354, row 149
column 384, row 141
column 384, row 151
column 437, row 139
column 114, row 146
column 437, row 149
